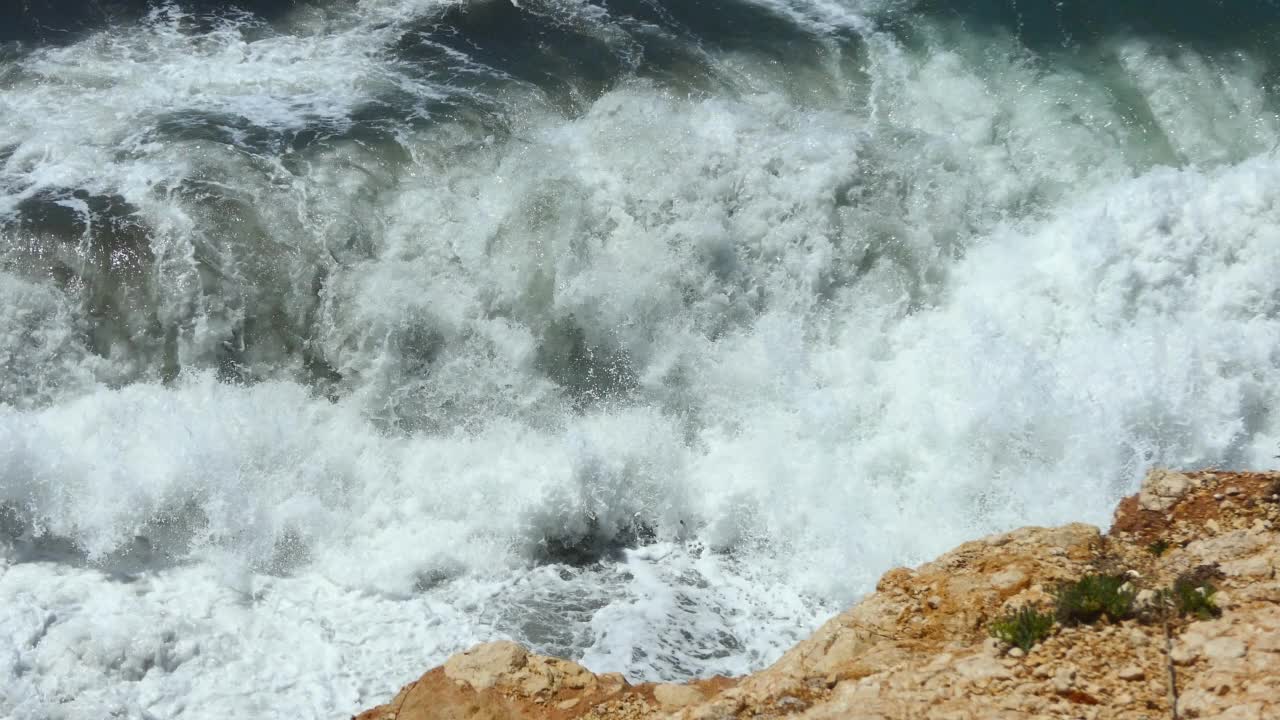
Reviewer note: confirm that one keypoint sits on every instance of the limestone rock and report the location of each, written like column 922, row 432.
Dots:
column 1162, row 489
column 676, row 696
column 483, row 666
column 1131, row 672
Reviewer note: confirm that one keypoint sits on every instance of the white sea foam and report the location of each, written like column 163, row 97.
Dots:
column 801, row 329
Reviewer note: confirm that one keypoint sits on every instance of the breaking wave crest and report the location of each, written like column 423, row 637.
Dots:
column 648, row 334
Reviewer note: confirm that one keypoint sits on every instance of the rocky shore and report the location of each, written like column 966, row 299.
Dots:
column 921, row 645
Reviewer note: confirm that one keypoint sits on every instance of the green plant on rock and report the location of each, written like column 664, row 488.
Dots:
column 1182, row 600
column 1193, row 591
column 1023, row 627
column 1093, row 597
column 1159, row 547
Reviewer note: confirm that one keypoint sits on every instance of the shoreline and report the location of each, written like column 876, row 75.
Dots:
column 921, row 645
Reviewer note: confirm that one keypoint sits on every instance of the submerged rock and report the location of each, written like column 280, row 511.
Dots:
column 919, row 645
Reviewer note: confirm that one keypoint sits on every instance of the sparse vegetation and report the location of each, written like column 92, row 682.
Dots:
column 1023, row 628
column 1190, row 595
column 1193, row 592
column 1196, row 601
column 1112, row 596
column 1200, row 575
column 1159, row 547
column 1093, row 597
column 1082, row 602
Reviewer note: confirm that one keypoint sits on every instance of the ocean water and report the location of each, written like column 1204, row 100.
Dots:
column 336, row 336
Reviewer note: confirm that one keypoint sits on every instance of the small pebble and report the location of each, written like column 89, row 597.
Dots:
column 1062, row 683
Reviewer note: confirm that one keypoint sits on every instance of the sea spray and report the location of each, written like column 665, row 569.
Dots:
column 338, row 338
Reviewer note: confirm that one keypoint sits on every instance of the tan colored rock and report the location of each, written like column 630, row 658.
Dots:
column 1162, row 489
column 1132, row 672
column 982, row 667
column 1184, row 654
column 483, row 666
column 676, row 696
column 1224, row 648
column 918, row 646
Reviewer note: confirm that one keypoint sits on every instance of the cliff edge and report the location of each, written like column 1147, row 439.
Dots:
column 1174, row 613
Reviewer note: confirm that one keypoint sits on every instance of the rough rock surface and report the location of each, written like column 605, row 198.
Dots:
column 918, row 647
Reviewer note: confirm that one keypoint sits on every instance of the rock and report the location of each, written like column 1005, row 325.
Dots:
column 613, row 681
column 1163, row 489
column 1226, row 648
column 1137, row 638
column 1227, row 547
column 483, row 666
column 1183, row 655
column 1064, row 680
column 1132, row 672
column 1258, row 566
column 676, row 696
column 1009, row 579
column 982, row 667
